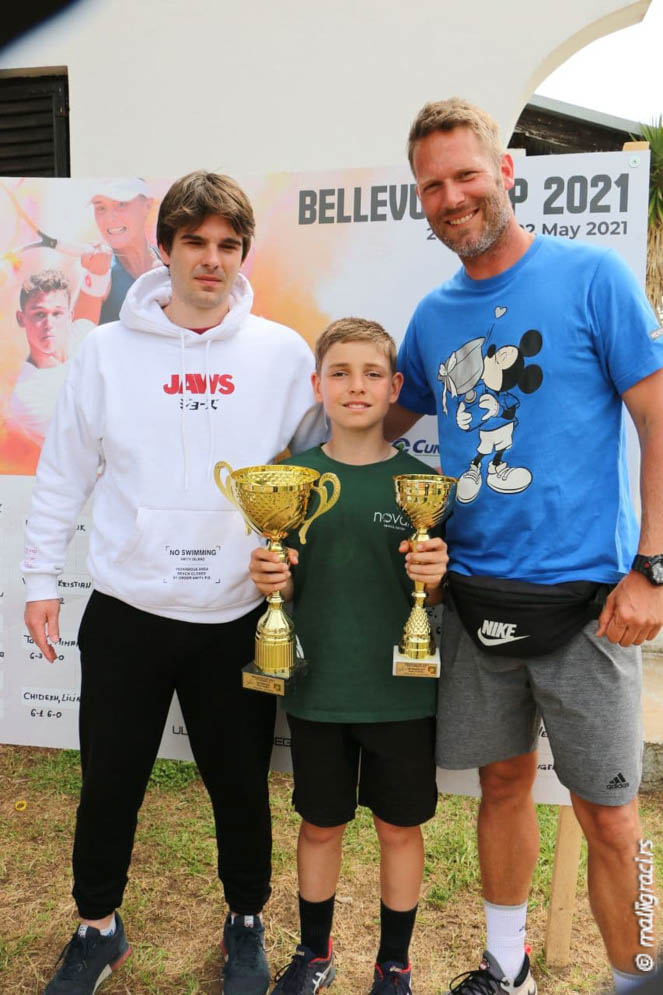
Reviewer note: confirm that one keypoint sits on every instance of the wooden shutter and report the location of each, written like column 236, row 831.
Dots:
column 34, row 126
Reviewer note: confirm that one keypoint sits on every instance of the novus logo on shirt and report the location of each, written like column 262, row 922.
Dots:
column 497, row 633
column 391, row 520
column 196, row 383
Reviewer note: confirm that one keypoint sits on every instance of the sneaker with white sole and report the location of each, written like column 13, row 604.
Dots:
column 88, row 959
column 245, row 971
column 489, row 979
column 306, row 974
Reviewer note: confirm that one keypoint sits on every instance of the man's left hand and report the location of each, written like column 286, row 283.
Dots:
column 633, row 612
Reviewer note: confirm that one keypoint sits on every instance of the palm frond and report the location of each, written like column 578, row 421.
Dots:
column 653, row 133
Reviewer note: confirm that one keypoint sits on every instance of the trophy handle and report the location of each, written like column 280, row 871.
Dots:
column 327, row 500
column 226, row 490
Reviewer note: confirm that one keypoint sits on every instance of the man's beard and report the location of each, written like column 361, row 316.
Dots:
column 496, row 216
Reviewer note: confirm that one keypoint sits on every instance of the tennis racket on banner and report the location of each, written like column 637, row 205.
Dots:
column 11, row 257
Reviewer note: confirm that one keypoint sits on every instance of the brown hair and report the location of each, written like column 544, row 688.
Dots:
column 44, row 282
column 355, row 330
column 444, row 115
column 197, row 196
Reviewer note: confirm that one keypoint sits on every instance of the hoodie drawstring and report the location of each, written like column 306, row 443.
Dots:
column 210, row 420
column 185, row 460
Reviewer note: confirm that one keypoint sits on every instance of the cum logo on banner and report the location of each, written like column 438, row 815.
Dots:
column 421, row 447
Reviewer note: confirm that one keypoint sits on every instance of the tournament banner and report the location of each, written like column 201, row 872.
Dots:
column 328, row 244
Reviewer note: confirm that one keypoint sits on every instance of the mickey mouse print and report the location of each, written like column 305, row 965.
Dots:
column 484, row 379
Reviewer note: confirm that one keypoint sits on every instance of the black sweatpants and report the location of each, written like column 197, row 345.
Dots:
column 131, row 662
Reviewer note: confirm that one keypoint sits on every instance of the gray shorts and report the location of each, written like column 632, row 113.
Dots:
column 588, row 693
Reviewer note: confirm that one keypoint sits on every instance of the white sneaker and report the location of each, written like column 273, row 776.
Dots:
column 489, row 979
column 507, row 479
column 469, row 484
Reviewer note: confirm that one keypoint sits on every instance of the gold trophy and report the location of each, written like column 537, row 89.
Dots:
column 273, row 501
column 426, row 499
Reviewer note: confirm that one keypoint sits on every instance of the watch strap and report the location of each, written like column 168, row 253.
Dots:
column 650, row 567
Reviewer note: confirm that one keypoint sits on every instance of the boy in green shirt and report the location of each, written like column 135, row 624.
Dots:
column 352, row 594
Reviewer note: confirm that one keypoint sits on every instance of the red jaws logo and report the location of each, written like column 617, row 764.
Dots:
column 196, row 383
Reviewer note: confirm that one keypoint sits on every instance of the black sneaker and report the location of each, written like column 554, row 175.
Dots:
column 306, row 974
column 489, row 979
column 88, row 959
column 245, row 971
column 391, row 978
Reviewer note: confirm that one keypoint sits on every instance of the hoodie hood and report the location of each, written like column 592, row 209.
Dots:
column 142, row 310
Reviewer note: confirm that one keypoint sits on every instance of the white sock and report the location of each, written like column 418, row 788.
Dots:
column 248, row 920
column 109, row 931
column 625, row 983
column 505, row 936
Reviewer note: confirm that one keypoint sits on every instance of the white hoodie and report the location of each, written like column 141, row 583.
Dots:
column 146, row 411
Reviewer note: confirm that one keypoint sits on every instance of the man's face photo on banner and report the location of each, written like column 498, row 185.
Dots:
column 45, row 318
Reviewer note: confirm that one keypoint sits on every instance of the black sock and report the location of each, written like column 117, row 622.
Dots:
column 395, row 934
column 316, row 923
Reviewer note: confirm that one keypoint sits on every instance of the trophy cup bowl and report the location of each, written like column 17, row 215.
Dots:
column 427, row 499
column 273, row 501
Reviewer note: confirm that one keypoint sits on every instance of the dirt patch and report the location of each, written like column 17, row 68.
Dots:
column 174, row 911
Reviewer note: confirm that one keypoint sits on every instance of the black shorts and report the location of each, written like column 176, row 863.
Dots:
column 396, row 775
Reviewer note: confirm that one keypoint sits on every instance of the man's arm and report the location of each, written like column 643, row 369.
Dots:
column 398, row 421
column 634, row 610
column 66, row 475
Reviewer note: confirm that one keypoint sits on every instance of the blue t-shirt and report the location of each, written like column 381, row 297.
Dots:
column 524, row 371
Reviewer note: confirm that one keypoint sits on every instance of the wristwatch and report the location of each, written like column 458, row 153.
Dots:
column 651, row 567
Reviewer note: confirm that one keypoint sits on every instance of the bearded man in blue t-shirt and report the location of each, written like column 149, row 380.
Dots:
column 529, row 356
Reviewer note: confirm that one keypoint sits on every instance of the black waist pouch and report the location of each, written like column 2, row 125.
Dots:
column 515, row 618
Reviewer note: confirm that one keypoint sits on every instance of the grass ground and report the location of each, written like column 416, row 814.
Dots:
column 173, row 907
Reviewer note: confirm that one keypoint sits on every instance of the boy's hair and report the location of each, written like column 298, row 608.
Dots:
column 355, row 330
column 44, row 282
column 444, row 115
column 197, row 196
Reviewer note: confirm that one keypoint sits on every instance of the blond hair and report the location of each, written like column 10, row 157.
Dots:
column 355, row 330
column 444, row 115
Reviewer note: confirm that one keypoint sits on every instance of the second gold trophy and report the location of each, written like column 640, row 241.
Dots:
column 427, row 499
column 273, row 501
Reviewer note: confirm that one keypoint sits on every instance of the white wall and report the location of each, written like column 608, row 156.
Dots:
column 160, row 87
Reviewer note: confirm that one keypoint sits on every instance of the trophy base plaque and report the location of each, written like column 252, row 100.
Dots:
column 258, row 680
column 407, row 666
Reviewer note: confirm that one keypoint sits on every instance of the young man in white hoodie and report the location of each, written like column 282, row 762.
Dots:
column 186, row 377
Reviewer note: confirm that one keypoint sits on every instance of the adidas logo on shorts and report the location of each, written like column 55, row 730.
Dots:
column 617, row 782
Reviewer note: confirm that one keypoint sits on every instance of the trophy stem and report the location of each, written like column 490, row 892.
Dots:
column 417, row 641
column 275, row 632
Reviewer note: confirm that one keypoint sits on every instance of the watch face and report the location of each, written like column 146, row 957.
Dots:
column 657, row 572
